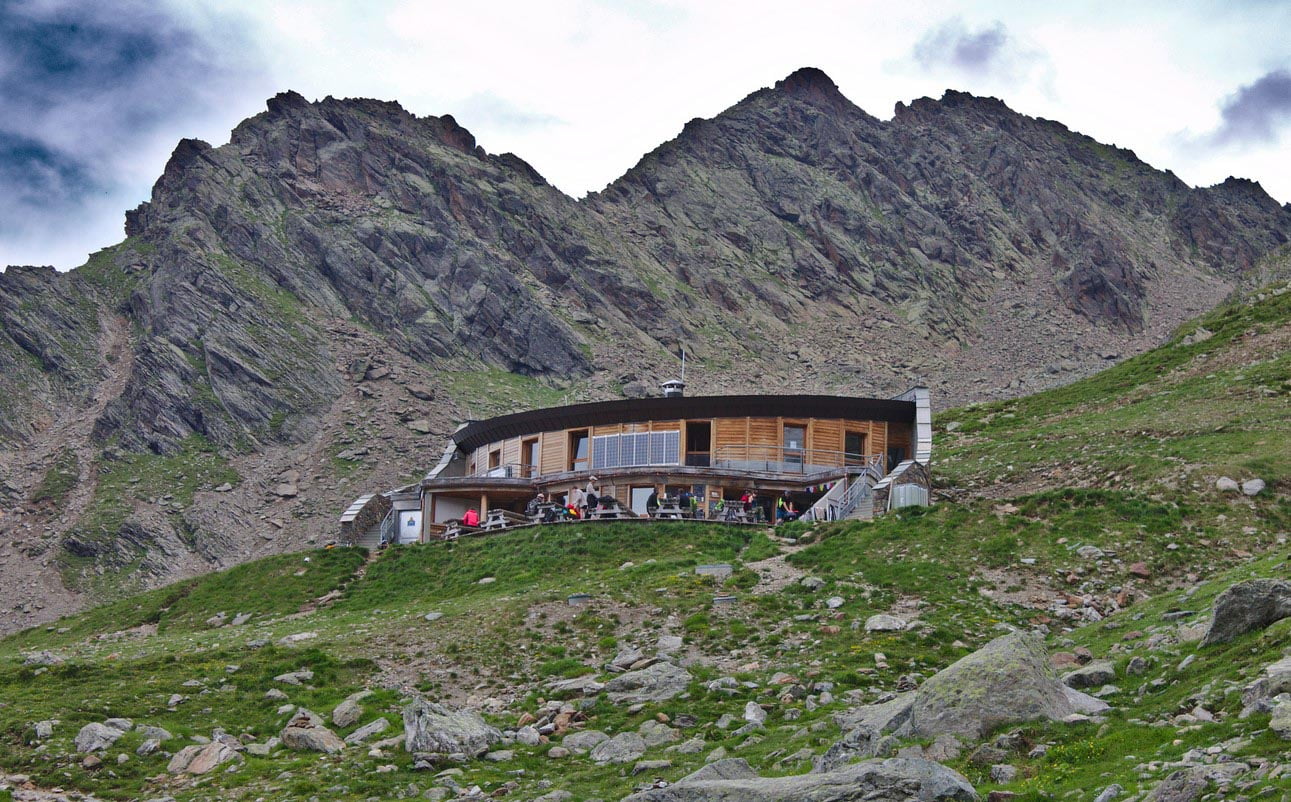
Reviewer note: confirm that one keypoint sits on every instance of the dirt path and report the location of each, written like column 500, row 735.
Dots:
column 775, row 572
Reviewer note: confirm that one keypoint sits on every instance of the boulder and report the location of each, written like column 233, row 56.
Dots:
column 200, row 758
column 430, row 727
column 1253, row 487
column 1084, row 703
column 1008, row 680
column 295, row 677
column 1258, row 696
column 1280, row 719
column 42, row 658
column 306, row 733
column 1226, row 484
column 656, row 733
column 656, row 683
column 622, row 748
column 891, row 780
column 885, row 717
column 579, row 742
column 1248, row 606
column 96, row 737
column 374, row 727
column 348, row 712
column 1094, row 675
column 884, row 623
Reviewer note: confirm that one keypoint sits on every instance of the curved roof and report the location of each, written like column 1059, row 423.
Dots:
column 639, row 410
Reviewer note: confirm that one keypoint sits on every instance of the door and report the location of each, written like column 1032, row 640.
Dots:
column 529, row 458
column 699, row 443
column 639, row 496
column 409, row 526
column 795, row 440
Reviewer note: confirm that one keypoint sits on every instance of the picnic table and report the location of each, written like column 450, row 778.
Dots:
column 668, row 509
column 501, row 519
column 454, row 529
column 610, row 512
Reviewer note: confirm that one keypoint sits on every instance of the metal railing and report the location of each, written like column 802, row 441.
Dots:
column 779, row 459
column 390, row 527
column 740, row 457
column 829, row 506
column 858, row 491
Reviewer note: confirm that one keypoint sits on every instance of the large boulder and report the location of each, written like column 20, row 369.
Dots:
column 306, row 733
column 201, row 758
column 430, row 727
column 1094, row 675
column 622, row 748
column 1248, row 606
column 892, row 780
column 656, row 683
column 1008, row 680
column 1280, row 717
column 97, row 737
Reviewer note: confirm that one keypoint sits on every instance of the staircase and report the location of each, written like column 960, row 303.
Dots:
column 377, row 534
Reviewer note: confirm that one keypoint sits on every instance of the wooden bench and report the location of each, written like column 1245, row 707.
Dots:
column 454, row 528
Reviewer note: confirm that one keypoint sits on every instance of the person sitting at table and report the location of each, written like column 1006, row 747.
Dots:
column 652, row 502
column 784, row 509
column 747, row 500
column 471, row 518
column 683, row 502
column 531, row 509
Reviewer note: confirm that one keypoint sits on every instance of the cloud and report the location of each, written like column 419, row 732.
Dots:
column 952, row 44
column 989, row 52
column 91, row 96
column 1255, row 113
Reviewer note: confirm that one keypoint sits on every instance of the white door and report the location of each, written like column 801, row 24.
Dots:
column 639, row 496
column 409, row 526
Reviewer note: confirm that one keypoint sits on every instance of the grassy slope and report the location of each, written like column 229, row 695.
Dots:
column 958, row 564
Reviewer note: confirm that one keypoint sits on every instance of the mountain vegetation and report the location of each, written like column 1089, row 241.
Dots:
column 310, row 307
column 605, row 666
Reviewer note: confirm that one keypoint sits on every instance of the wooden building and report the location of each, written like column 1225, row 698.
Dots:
column 717, row 447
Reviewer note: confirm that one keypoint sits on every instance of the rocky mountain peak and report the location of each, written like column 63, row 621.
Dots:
column 811, row 84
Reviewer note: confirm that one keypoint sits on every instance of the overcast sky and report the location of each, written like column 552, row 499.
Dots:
column 94, row 94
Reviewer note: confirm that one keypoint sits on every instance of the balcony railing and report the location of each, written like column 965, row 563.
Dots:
column 740, row 458
column 777, row 459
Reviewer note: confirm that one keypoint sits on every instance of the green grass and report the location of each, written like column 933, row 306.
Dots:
column 59, row 480
column 492, row 391
column 1174, row 417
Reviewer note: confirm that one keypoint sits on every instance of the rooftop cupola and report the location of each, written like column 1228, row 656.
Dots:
column 673, row 388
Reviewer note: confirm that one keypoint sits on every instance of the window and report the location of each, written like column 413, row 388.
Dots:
column 579, row 445
column 495, row 459
column 854, row 447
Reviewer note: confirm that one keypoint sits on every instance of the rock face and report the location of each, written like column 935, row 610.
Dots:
column 892, row 780
column 335, row 249
column 656, row 683
column 429, row 727
column 1248, row 606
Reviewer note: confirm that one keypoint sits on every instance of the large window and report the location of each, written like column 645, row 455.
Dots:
column 630, row 450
